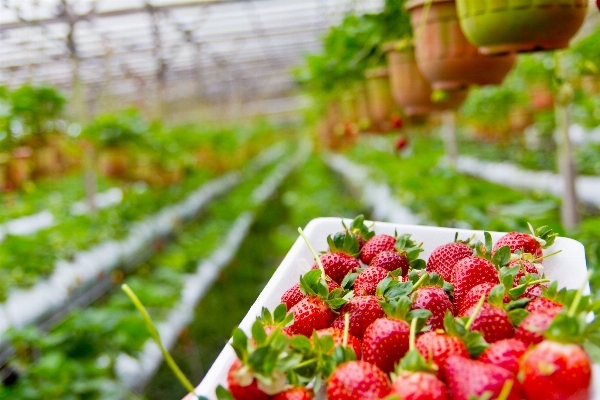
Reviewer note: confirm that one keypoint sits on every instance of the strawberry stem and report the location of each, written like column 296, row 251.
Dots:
column 505, row 390
column 304, row 364
column 532, row 283
column 420, row 281
column 346, row 329
column 577, row 299
column 413, row 333
column 314, row 253
column 546, row 256
column 475, row 312
column 154, row 333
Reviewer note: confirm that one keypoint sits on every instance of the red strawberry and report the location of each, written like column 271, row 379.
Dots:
column 298, row 393
column 492, row 322
column 376, row 245
column 544, row 305
column 470, row 379
column 504, row 353
column 363, row 311
column 556, row 371
column 443, row 259
column 385, row 342
column 434, row 299
column 362, row 232
column 311, row 313
column 419, row 386
column 532, row 328
column 526, row 268
column 366, row 282
column 391, row 260
column 242, row 385
column 338, row 339
column 437, row 346
column 473, row 296
column 533, row 244
column 470, row 272
column 355, row 380
column 293, row 295
column 337, row 265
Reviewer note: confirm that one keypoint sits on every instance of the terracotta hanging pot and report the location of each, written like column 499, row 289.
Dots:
column 362, row 107
column 444, row 56
column 411, row 91
column 379, row 95
column 504, row 26
column 18, row 168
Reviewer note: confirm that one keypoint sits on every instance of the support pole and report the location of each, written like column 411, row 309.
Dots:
column 449, row 136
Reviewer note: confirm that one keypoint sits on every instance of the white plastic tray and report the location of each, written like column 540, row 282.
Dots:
column 568, row 267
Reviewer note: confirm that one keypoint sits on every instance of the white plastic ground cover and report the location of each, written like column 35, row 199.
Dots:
column 508, row 174
column 376, row 196
column 102, row 200
column 568, row 267
column 136, row 372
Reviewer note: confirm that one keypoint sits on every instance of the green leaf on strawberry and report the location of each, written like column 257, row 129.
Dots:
column 343, row 242
column 358, row 227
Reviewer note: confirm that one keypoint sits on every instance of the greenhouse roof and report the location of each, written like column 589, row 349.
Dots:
column 169, row 49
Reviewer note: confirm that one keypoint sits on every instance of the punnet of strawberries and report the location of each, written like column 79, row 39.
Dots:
column 371, row 320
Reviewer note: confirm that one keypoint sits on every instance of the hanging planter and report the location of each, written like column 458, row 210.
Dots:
column 410, row 89
column 379, row 95
column 505, row 26
column 18, row 170
column 444, row 56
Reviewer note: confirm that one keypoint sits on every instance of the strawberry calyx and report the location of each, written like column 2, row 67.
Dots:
column 461, row 328
column 411, row 250
column 413, row 360
column 499, row 258
column 279, row 318
column 544, row 235
column 466, row 241
column 312, row 284
column 348, row 281
column 344, row 242
column 358, row 227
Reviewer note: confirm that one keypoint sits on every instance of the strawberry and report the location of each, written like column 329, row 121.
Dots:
column 532, row 328
column 356, row 380
column 338, row 339
column 434, row 299
column 375, row 245
column 316, row 310
column 443, row 259
column 341, row 258
column 474, row 295
column 504, row 353
column 544, row 305
column 363, row 311
column 533, row 243
column 492, row 322
column 470, row 272
column 362, row 232
column 293, row 295
column 242, row 385
column 407, row 249
column 298, row 393
column 385, row 342
column 437, row 346
column 390, row 260
column 366, row 282
column 278, row 319
column 470, row 379
column 556, row 371
column 415, row 379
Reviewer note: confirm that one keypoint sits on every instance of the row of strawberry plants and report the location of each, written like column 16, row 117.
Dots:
column 442, row 196
column 77, row 358
column 310, row 192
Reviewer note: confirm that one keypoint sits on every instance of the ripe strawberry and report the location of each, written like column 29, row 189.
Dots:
column 532, row 328
column 355, row 380
column 434, row 299
column 470, row 272
column 391, row 260
column 298, row 393
column 443, row 259
column 338, row 340
column 419, row 386
column 341, row 258
column 504, row 353
column 437, row 346
column 556, row 371
column 363, row 311
column 401, row 143
column 242, row 385
column 470, row 378
column 293, row 295
column 473, row 296
column 311, row 313
column 362, row 232
column 376, row 245
column 539, row 239
column 366, row 282
column 544, row 305
column 492, row 322
column 385, row 342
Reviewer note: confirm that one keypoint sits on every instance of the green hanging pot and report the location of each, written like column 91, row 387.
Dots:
column 505, row 26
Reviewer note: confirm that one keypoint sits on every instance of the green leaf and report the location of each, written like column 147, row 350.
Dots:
column 240, row 343
column 517, row 316
column 501, row 257
column 350, row 278
column 223, row 394
column 300, row 342
column 336, row 303
column 280, row 313
column 496, row 296
column 519, row 303
column 256, row 359
column 258, row 332
column 418, row 264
